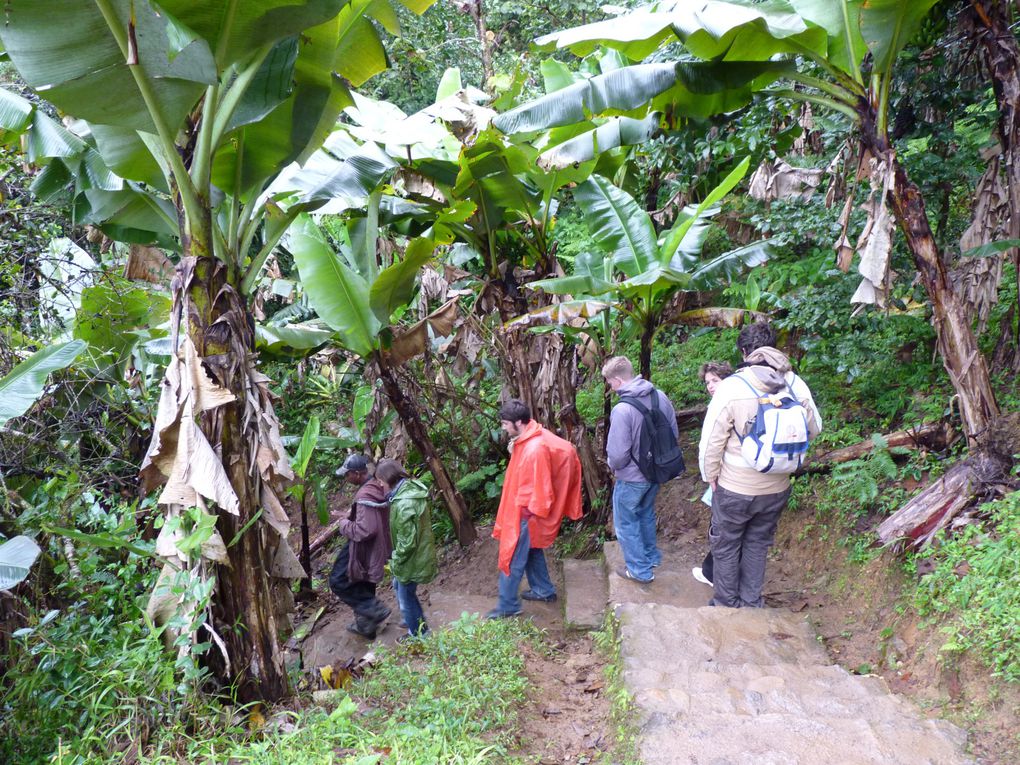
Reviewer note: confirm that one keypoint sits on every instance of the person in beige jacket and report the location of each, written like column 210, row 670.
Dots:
column 746, row 504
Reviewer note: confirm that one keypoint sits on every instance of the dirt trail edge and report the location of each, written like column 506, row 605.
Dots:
column 743, row 686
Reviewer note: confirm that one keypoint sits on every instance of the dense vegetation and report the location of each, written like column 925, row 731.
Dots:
column 402, row 282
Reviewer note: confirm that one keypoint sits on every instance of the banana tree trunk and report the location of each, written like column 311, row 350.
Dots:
column 245, row 603
column 594, row 470
column 992, row 20
column 957, row 343
column 647, row 334
column 407, row 411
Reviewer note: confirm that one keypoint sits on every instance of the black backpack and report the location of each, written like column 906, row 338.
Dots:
column 658, row 454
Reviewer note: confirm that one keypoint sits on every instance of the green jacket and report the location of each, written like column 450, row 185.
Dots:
column 414, row 546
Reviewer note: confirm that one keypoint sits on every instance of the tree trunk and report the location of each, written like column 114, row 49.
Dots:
column 956, row 341
column 594, row 470
column 408, row 413
column 244, row 607
column 477, row 11
column 646, row 346
column 992, row 21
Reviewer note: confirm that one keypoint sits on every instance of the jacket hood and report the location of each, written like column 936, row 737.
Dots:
column 410, row 489
column 372, row 492
column 768, row 365
column 639, row 386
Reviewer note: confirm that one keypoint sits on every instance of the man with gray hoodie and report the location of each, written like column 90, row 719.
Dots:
column 633, row 494
column 746, row 503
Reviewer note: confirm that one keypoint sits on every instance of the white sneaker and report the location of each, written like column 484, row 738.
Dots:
column 696, row 573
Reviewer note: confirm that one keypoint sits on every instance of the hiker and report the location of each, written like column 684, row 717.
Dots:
column 636, row 486
column 414, row 546
column 359, row 566
column 541, row 487
column 748, row 498
column 711, row 373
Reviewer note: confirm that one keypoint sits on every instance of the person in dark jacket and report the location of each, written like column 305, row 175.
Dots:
column 360, row 565
column 414, row 545
column 633, row 494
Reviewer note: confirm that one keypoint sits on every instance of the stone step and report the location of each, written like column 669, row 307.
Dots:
column 753, row 690
column 721, row 635
column 780, row 739
column 673, row 583
column 586, row 593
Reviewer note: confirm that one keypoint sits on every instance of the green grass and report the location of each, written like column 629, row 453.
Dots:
column 451, row 698
column 607, row 640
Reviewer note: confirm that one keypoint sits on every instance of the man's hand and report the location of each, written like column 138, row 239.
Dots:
column 526, row 514
column 714, row 484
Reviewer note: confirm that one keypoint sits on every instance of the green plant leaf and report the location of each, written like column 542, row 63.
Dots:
column 449, row 83
column 303, row 455
column 338, row 294
column 103, row 541
column 888, row 25
column 618, row 224
column 16, row 558
column 23, row 386
column 395, row 285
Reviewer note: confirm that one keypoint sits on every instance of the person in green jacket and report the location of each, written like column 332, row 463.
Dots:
column 414, row 547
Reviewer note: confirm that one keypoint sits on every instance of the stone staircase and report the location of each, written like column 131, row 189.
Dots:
column 719, row 686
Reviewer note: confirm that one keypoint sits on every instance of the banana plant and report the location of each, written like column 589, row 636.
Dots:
column 23, row 386
column 357, row 301
column 637, row 271
column 182, row 113
column 841, row 56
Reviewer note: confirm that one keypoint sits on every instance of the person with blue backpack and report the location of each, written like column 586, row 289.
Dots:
column 757, row 431
column 643, row 452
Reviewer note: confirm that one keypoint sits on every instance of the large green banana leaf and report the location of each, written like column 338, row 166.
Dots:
column 395, row 285
column 618, row 225
column 16, row 558
column 888, row 25
column 339, row 295
column 679, row 231
column 23, row 386
column 712, row 30
column 67, row 50
column 691, row 88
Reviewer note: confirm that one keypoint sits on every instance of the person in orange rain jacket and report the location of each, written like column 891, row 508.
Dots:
column 542, row 485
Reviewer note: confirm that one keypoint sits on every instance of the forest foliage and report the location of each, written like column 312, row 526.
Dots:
column 470, row 217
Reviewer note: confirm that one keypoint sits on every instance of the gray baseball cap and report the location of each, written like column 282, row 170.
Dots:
column 353, row 462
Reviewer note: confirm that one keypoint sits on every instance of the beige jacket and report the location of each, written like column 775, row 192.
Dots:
column 730, row 413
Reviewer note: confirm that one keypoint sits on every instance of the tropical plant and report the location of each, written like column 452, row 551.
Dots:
column 653, row 269
column 23, row 386
column 841, row 56
column 189, row 111
column 16, row 558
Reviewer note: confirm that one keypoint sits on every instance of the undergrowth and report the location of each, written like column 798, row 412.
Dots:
column 975, row 588
column 621, row 710
column 453, row 697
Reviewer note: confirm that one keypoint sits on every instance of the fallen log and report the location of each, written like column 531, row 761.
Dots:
column 691, row 417
column 932, row 435
column 917, row 522
column 320, row 541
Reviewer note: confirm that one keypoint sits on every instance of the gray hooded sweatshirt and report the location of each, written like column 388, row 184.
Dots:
column 625, row 429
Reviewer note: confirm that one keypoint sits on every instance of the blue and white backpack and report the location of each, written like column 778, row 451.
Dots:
column 778, row 438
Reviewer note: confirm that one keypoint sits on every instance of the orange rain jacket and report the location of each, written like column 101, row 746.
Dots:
column 544, row 475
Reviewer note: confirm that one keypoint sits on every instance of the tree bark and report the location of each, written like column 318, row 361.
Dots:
column 933, row 434
column 243, row 607
column 956, row 341
column 647, row 334
column 408, row 413
column 992, row 21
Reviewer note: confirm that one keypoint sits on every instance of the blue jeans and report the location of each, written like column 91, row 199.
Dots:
column 410, row 607
column 524, row 561
column 634, row 524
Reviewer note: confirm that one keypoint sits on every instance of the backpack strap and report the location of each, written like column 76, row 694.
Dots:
column 643, row 411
